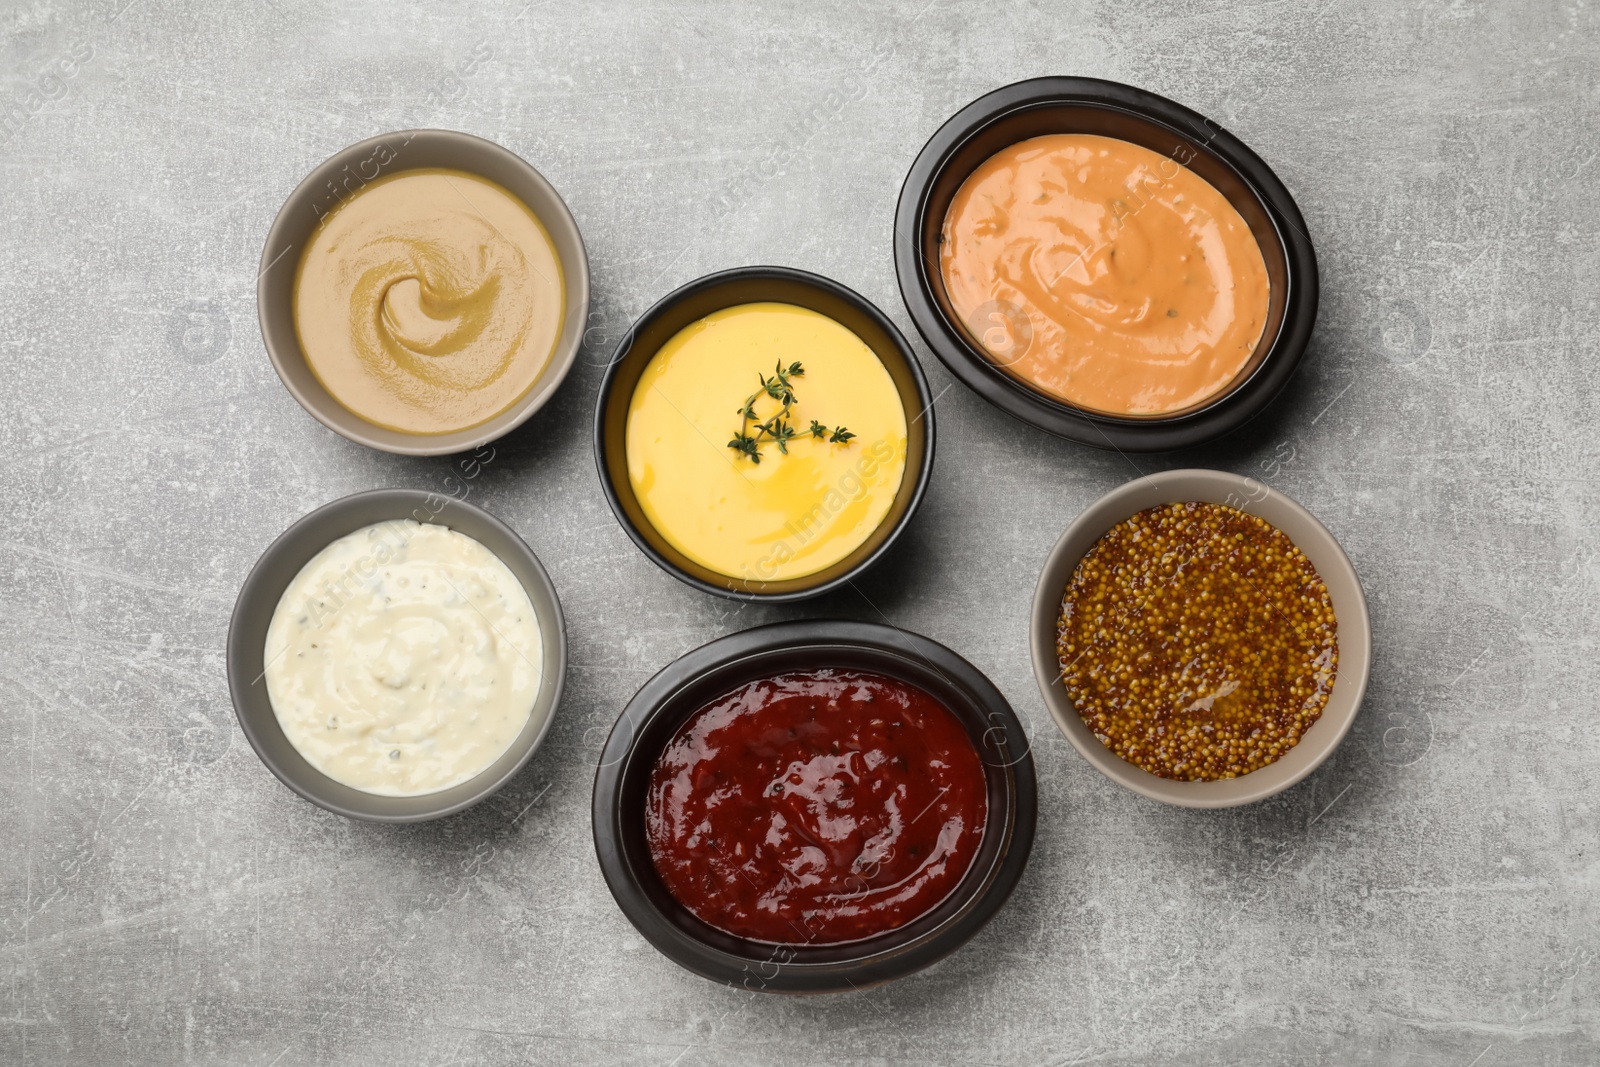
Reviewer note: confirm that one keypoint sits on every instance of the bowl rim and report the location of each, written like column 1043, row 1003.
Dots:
column 1241, row 401
column 788, row 274
column 259, row 585
column 883, row 959
column 1312, row 537
column 282, row 351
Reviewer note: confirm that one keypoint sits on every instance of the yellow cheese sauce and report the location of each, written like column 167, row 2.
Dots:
column 403, row 659
column 429, row 302
column 790, row 514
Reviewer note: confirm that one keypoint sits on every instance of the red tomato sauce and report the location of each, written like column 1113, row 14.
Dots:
column 816, row 807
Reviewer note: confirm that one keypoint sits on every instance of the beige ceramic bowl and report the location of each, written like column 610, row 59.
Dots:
column 339, row 178
column 1246, row 494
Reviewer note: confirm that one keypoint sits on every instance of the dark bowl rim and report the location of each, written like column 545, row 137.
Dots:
column 1239, row 402
column 886, row 959
column 791, row 274
column 248, row 600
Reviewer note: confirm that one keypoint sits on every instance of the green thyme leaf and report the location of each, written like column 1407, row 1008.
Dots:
column 747, row 441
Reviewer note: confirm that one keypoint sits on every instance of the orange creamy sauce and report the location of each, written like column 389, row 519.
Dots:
column 1104, row 274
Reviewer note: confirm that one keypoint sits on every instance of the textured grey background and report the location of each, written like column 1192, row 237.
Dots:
column 1428, row 897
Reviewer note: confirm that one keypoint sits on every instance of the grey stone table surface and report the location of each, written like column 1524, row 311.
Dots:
column 1429, row 896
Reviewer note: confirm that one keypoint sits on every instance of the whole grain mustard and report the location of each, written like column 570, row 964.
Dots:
column 1197, row 641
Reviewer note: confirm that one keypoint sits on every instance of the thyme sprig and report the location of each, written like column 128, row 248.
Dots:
column 777, row 428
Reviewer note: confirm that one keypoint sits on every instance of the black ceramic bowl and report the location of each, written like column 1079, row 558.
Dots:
column 688, row 684
column 1088, row 105
column 700, row 298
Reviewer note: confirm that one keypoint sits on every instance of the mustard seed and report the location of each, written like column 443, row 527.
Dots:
column 1202, row 625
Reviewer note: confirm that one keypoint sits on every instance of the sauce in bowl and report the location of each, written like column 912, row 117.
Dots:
column 403, row 659
column 1197, row 641
column 816, row 808
column 1104, row 274
column 771, row 509
column 429, row 302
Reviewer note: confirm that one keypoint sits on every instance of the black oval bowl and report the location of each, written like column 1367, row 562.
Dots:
column 1088, row 105
column 745, row 285
column 687, row 684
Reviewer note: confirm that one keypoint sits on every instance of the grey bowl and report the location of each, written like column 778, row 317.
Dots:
column 340, row 176
column 283, row 559
column 1249, row 495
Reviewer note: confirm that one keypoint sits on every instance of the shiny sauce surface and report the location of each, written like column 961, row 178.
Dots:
column 798, row 511
column 1104, row 274
column 816, row 807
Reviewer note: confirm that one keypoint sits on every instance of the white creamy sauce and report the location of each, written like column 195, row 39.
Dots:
column 403, row 659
